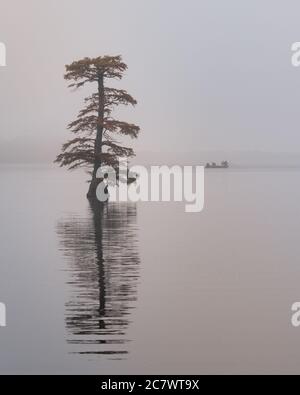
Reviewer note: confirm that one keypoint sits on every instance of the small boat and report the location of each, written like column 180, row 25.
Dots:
column 213, row 165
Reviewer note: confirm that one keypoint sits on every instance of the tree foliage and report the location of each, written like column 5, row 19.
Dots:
column 95, row 131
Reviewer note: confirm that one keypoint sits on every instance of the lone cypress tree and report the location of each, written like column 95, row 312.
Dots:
column 95, row 128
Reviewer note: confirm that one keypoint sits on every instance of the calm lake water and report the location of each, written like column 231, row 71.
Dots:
column 147, row 288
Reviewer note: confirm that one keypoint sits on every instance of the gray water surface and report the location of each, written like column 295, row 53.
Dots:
column 147, row 288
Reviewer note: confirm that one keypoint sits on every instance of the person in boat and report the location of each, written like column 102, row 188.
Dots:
column 213, row 165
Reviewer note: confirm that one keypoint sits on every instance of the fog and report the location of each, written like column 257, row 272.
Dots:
column 208, row 75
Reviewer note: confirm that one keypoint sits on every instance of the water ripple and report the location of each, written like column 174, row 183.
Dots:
column 101, row 250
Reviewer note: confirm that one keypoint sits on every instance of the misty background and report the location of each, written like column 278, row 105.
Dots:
column 213, row 79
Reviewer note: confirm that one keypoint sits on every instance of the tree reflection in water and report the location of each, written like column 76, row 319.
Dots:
column 103, row 261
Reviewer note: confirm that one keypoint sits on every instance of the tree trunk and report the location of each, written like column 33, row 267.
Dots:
column 98, row 143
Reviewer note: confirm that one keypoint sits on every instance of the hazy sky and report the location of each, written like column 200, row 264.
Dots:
column 207, row 74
